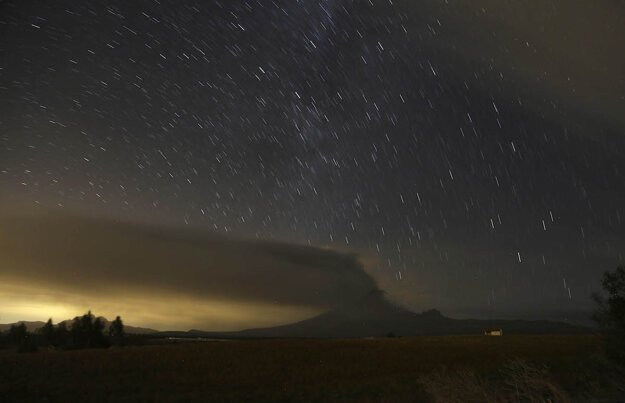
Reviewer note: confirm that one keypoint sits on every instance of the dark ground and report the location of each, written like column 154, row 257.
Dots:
column 387, row 369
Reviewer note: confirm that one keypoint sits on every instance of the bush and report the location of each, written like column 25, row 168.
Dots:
column 516, row 382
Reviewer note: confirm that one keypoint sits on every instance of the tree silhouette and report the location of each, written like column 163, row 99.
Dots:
column 47, row 332
column 610, row 314
column 18, row 334
column 62, row 336
column 116, row 330
column 80, row 329
column 98, row 337
column 87, row 331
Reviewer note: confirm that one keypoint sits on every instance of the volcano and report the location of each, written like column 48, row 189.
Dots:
column 375, row 316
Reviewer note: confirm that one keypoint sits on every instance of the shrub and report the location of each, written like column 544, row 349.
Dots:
column 516, row 382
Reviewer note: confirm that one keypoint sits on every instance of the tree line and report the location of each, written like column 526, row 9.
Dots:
column 85, row 331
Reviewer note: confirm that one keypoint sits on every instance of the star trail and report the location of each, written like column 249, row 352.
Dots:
column 469, row 152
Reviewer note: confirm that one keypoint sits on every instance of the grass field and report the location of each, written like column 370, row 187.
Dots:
column 451, row 368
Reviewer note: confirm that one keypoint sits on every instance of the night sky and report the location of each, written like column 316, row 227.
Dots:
column 469, row 152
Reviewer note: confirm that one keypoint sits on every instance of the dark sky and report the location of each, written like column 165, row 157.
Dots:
column 470, row 151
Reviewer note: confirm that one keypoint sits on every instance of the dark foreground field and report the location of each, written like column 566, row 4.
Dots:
column 461, row 368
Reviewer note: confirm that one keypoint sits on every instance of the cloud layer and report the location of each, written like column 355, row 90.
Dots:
column 166, row 278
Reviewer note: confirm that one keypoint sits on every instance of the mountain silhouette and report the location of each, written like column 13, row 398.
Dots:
column 375, row 316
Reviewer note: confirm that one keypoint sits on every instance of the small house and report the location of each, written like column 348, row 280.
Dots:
column 493, row 332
